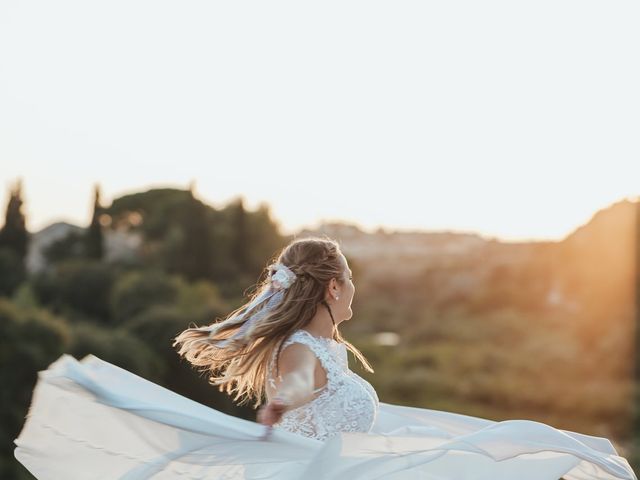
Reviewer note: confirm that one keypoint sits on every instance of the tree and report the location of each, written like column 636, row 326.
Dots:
column 264, row 238
column 137, row 291
column 13, row 243
column 77, row 287
column 94, row 238
column 13, row 234
column 69, row 247
column 240, row 246
column 30, row 339
column 196, row 249
column 12, row 272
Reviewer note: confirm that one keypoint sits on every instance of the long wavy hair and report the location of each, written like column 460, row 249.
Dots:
column 240, row 367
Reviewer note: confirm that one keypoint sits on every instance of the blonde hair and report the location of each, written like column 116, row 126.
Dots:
column 243, row 363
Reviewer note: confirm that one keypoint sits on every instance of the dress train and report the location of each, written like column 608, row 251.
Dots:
column 91, row 419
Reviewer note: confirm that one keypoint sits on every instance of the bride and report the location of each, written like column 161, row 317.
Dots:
column 90, row 419
column 311, row 389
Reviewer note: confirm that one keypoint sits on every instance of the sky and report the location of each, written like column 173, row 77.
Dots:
column 517, row 120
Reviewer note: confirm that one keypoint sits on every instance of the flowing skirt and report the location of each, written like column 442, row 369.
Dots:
column 91, row 419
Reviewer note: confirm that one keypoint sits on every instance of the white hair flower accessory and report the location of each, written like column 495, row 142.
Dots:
column 283, row 276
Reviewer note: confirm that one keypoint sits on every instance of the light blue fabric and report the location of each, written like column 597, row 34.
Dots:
column 94, row 420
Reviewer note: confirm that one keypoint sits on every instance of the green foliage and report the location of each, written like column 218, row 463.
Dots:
column 240, row 245
column 12, row 271
column 176, row 229
column 30, row 340
column 477, row 335
column 503, row 364
column 158, row 208
column 94, row 239
column 188, row 244
column 13, row 234
column 201, row 301
column 136, row 291
column 184, row 236
column 71, row 246
column 82, row 286
column 157, row 326
column 25, row 297
column 117, row 346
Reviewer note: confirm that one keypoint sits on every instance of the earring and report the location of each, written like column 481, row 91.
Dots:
column 337, row 297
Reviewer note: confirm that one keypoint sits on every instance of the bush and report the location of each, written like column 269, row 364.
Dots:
column 117, row 346
column 12, row 271
column 30, row 340
column 80, row 285
column 136, row 291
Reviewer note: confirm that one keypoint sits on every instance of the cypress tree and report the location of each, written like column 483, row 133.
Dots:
column 240, row 245
column 94, row 239
column 14, row 235
column 13, row 244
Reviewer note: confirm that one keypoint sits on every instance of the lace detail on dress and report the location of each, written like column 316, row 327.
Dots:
column 348, row 403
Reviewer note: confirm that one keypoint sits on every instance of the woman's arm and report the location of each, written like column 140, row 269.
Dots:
column 294, row 386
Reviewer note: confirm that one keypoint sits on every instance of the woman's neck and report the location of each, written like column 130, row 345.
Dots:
column 321, row 324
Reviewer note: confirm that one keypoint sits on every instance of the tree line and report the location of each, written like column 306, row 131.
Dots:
column 192, row 265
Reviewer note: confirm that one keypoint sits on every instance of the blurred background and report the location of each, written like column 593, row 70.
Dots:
column 477, row 162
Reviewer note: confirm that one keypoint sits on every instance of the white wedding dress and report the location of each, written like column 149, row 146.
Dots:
column 347, row 403
column 90, row 419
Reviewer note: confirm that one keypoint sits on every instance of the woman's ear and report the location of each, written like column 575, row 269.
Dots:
column 332, row 287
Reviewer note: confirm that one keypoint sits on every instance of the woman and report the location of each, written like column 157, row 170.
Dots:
column 91, row 419
column 303, row 304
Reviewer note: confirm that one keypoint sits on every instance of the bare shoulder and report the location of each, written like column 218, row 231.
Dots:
column 298, row 360
column 296, row 357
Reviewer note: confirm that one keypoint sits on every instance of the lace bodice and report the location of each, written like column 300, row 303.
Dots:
column 348, row 403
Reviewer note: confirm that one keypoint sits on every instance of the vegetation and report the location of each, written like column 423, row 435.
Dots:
column 476, row 335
